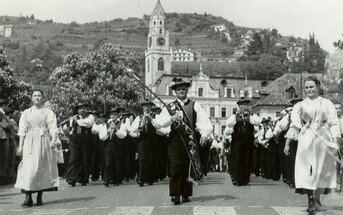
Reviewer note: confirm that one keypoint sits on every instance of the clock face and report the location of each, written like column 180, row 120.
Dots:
column 161, row 41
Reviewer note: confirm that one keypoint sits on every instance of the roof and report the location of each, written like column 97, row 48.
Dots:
column 238, row 83
column 158, row 10
column 277, row 89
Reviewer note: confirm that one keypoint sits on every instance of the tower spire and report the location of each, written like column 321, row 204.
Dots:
column 158, row 10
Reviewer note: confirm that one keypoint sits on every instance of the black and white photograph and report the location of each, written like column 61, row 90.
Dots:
column 163, row 107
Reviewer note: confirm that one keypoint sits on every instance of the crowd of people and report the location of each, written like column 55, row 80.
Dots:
column 301, row 146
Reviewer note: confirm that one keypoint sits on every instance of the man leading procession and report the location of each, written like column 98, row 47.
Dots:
column 188, row 114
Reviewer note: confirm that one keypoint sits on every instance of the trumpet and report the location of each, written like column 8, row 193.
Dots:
column 67, row 120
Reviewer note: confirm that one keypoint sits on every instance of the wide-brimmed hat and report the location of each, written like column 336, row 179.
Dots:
column 264, row 120
column 179, row 82
column 147, row 103
column 117, row 109
column 243, row 102
column 80, row 105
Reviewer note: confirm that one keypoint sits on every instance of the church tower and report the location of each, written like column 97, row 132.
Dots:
column 158, row 54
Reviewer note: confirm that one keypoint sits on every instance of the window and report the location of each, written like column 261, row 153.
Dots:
column 160, row 22
column 200, row 92
column 241, row 93
column 160, row 64
column 160, row 30
column 148, row 65
column 223, row 129
column 212, row 112
column 154, row 22
column 246, row 94
column 170, row 91
column 223, row 111
column 234, row 110
column 229, row 93
column 278, row 113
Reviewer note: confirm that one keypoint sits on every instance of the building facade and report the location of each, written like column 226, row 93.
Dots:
column 184, row 55
column 6, row 30
column 218, row 95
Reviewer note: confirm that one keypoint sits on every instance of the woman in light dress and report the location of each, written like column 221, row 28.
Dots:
column 314, row 124
column 37, row 172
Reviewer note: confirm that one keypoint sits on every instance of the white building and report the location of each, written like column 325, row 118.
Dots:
column 219, row 28
column 6, row 30
column 294, row 53
column 181, row 54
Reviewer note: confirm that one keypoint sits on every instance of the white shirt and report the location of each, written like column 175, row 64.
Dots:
column 101, row 130
column 162, row 122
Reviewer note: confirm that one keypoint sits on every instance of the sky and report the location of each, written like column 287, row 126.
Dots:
column 324, row 18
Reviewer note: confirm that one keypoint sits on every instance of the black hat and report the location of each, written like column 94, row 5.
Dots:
column 243, row 102
column 147, row 103
column 127, row 114
column 264, row 120
column 80, row 105
column 117, row 109
column 179, row 82
column 155, row 108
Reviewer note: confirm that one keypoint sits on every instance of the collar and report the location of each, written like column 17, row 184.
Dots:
column 183, row 102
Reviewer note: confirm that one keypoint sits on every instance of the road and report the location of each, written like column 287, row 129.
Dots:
column 216, row 195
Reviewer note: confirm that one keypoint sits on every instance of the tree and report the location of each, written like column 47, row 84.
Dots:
column 32, row 17
column 338, row 44
column 99, row 78
column 274, row 33
column 314, row 56
column 16, row 93
column 255, row 47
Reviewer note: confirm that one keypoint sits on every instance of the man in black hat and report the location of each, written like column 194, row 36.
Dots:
column 145, row 146
column 100, row 128
column 242, row 148
column 195, row 118
column 118, row 132
column 80, row 129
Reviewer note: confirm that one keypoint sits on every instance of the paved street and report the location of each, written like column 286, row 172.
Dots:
column 214, row 196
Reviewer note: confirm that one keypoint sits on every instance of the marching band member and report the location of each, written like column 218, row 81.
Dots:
column 79, row 127
column 197, row 120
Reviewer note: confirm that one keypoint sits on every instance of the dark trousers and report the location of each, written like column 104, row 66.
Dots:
column 204, row 153
column 291, row 161
column 241, row 161
column 96, row 158
column 78, row 167
column 108, row 160
column 256, row 160
column 272, row 162
column 118, row 162
column 179, row 169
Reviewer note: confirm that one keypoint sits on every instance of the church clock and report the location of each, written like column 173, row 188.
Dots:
column 161, row 41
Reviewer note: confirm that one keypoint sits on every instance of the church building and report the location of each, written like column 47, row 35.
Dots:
column 218, row 95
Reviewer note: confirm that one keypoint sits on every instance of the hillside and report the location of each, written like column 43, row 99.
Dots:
column 36, row 47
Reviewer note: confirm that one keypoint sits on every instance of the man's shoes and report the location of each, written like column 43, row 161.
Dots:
column 107, row 184
column 175, row 200
column 72, row 183
column 185, row 199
